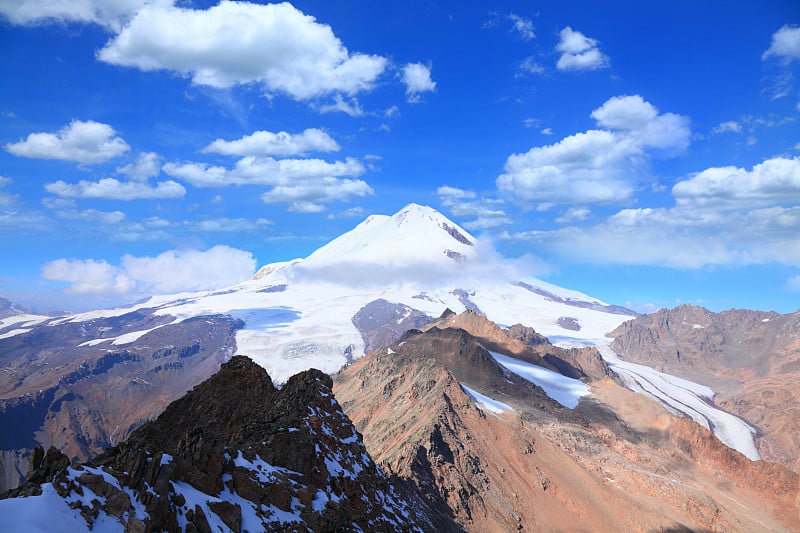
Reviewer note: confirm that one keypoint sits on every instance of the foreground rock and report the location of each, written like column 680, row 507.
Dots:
column 233, row 454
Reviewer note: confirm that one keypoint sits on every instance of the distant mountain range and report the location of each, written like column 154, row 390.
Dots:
column 491, row 400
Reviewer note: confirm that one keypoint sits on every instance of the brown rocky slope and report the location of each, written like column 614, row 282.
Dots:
column 618, row 462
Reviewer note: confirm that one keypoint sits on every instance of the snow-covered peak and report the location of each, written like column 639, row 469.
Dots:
column 415, row 234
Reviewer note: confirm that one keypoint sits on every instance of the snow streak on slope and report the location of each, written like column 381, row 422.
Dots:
column 687, row 398
column 486, row 403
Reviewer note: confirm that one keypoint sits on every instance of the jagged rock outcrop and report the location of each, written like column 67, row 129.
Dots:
column 750, row 358
column 526, row 344
column 236, row 454
column 618, row 462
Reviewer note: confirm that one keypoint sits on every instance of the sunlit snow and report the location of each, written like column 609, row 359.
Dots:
column 564, row 390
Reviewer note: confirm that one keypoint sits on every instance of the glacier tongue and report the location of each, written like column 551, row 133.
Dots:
column 687, row 398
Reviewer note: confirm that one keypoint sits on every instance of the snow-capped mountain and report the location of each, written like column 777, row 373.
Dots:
column 290, row 317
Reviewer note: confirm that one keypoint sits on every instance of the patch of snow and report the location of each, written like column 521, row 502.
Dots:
column 13, row 333
column 47, row 513
column 564, row 390
column 95, row 342
column 766, row 320
column 697, row 326
column 165, row 459
column 685, row 397
column 486, row 403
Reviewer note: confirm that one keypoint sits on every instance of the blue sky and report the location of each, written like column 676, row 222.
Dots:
column 646, row 153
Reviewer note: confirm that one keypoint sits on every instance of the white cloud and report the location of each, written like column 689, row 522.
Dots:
column 263, row 171
column 775, row 181
column 417, row 79
column 281, row 144
column 579, row 52
column 229, row 225
column 530, row 66
column 785, row 43
column 171, row 271
column 310, row 197
column 88, row 276
column 83, row 142
column 721, row 216
column 447, row 193
column 462, row 203
column 640, row 119
column 109, row 13
column 233, row 43
column 340, row 105
column 591, row 167
column 147, row 166
column 6, row 199
column 92, row 215
column 113, row 189
column 597, row 166
column 522, row 27
column 547, row 131
column 680, row 238
column 573, row 214
column 728, row 126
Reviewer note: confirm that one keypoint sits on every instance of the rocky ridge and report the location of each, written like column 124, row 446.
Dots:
column 235, row 454
column 618, row 461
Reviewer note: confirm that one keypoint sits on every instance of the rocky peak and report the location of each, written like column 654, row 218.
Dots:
column 236, row 453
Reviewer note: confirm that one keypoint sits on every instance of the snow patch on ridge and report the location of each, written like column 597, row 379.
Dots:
column 564, row 390
column 486, row 403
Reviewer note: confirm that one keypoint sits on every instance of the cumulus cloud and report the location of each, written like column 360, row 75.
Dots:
column 310, row 197
column 281, row 144
column 109, row 13
column 775, row 181
column 785, row 43
column 417, row 79
column 233, row 43
column 530, row 66
column 263, row 171
column 597, row 166
column 87, row 142
column 721, row 216
column 113, row 189
column 170, row 271
column 579, row 52
column 147, row 166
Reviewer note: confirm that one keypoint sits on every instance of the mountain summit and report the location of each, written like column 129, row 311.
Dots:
column 415, row 234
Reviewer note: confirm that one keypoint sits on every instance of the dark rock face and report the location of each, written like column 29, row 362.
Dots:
column 382, row 323
column 235, row 453
column 62, row 387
